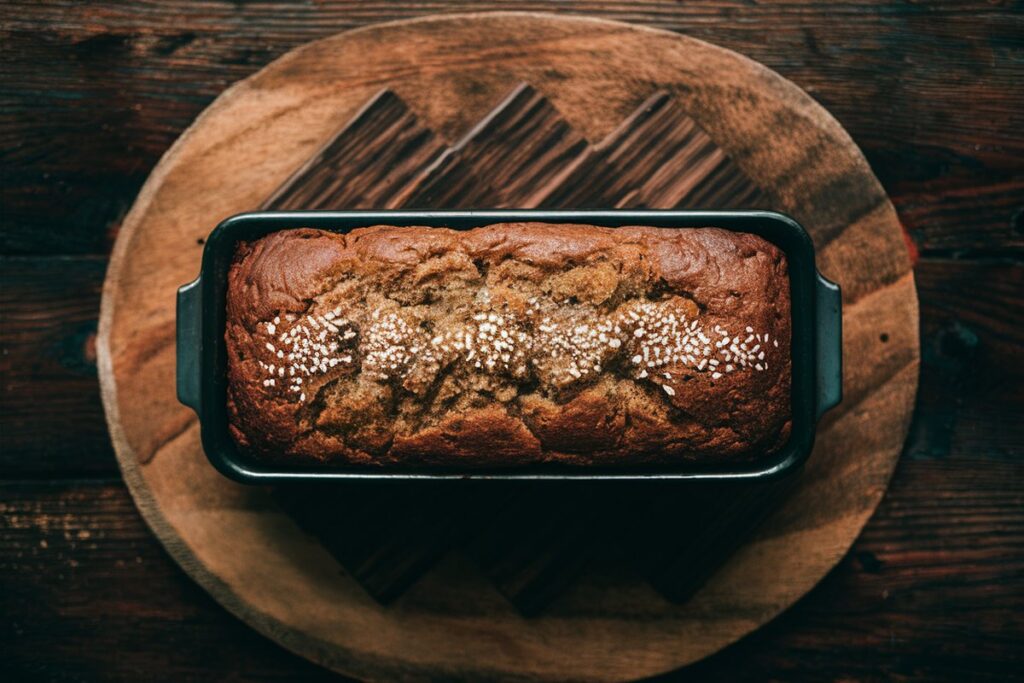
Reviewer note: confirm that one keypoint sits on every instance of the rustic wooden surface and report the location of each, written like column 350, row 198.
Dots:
column 571, row 80
column 94, row 94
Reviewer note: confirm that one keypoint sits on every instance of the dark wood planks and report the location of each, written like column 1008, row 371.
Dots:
column 944, row 77
column 86, row 592
column 933, row 589
column 972, row 380
column 93, row 95
column 51, row 420
column 987, row 219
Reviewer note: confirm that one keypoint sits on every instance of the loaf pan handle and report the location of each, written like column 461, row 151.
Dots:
column 829, row 317
column 189, row 342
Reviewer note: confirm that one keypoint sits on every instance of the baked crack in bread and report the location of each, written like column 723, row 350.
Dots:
column 509, row 345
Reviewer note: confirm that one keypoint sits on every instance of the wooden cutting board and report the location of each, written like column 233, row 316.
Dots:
column 450, row 72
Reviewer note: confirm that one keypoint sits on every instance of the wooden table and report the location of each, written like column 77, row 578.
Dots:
column 93, row 95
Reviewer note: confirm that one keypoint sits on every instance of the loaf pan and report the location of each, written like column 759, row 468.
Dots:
column 816, row 343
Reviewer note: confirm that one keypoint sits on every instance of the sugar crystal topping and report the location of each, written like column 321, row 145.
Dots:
column 644, row 340
column 313, row 345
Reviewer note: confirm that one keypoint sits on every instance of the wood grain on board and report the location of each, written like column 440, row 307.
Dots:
column 589, row 72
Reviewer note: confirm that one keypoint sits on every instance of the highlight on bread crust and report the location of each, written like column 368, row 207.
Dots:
column 509, row 345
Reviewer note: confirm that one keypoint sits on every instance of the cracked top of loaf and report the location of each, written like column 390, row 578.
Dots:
column 509, row 345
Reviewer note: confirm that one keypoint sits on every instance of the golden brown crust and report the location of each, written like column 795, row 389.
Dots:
column 590, row 346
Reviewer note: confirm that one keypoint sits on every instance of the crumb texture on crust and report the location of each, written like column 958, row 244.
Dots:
column 508, row 345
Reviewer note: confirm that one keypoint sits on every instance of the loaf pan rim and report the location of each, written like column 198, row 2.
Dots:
column 202, row 375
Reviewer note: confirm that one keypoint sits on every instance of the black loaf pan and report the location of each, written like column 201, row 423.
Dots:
column 816, row 340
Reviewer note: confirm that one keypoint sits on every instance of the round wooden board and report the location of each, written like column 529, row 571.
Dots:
column 450, row 70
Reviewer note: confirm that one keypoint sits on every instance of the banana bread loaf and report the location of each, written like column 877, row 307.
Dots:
column 509, row 345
